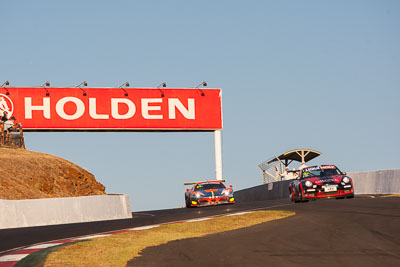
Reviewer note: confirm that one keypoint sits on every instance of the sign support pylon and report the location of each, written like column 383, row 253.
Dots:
column 218, row 154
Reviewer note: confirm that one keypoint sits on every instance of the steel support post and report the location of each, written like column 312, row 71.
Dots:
column 218, row 154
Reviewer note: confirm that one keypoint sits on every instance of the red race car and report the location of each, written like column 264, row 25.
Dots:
column 320, row 182
column 208, row 193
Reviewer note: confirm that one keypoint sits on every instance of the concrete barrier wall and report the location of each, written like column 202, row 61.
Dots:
column 376, row 182
column 372, row 182
column 269, row 191
column 50, row 211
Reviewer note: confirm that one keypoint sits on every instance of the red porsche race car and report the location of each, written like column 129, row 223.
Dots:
column 320, row 182
column 208, row 193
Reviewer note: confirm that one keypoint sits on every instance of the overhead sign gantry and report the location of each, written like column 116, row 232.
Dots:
column 117, row 109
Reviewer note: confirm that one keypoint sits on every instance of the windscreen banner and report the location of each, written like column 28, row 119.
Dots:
column 110, row 109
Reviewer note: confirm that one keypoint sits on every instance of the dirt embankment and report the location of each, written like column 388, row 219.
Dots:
column 26, row 174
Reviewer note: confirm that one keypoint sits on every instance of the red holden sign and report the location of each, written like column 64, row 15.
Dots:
column 105, row 109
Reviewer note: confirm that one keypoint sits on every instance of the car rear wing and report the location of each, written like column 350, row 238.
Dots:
column 191, row 183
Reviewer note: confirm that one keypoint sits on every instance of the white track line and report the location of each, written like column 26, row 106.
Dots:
column 13, row 257
column 144, row 227
column 91, row 236
column 198, row 220
column 41, row 246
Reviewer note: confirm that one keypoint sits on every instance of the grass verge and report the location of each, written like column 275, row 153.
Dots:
column 38, row 259
column 392, row 195
column 118, row 249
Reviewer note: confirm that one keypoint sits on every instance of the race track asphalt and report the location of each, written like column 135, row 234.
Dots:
column 350, row 232
column 11, row 239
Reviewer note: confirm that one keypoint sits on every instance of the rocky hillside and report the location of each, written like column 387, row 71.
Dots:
column 26, row 174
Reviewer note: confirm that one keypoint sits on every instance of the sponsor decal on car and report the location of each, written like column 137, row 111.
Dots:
column 328, row 167
column 307, row 169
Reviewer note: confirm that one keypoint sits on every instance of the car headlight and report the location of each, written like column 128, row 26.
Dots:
column 199, row 194
column 308, row 183
column 225, row 192
column 346, row 180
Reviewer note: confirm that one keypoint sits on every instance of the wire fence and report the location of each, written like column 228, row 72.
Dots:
column 271, row 172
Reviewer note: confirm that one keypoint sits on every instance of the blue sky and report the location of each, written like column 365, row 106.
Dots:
column 317, row 74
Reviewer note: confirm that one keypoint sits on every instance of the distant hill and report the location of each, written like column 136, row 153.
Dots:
column 26, row 174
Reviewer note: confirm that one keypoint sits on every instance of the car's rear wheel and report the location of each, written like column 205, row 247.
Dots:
column 296, row 200
column 350, row 196
column 291, row 195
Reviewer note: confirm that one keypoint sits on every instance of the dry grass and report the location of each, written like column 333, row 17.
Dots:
column 118, row 249
column 392, row 195
column 26, row 174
